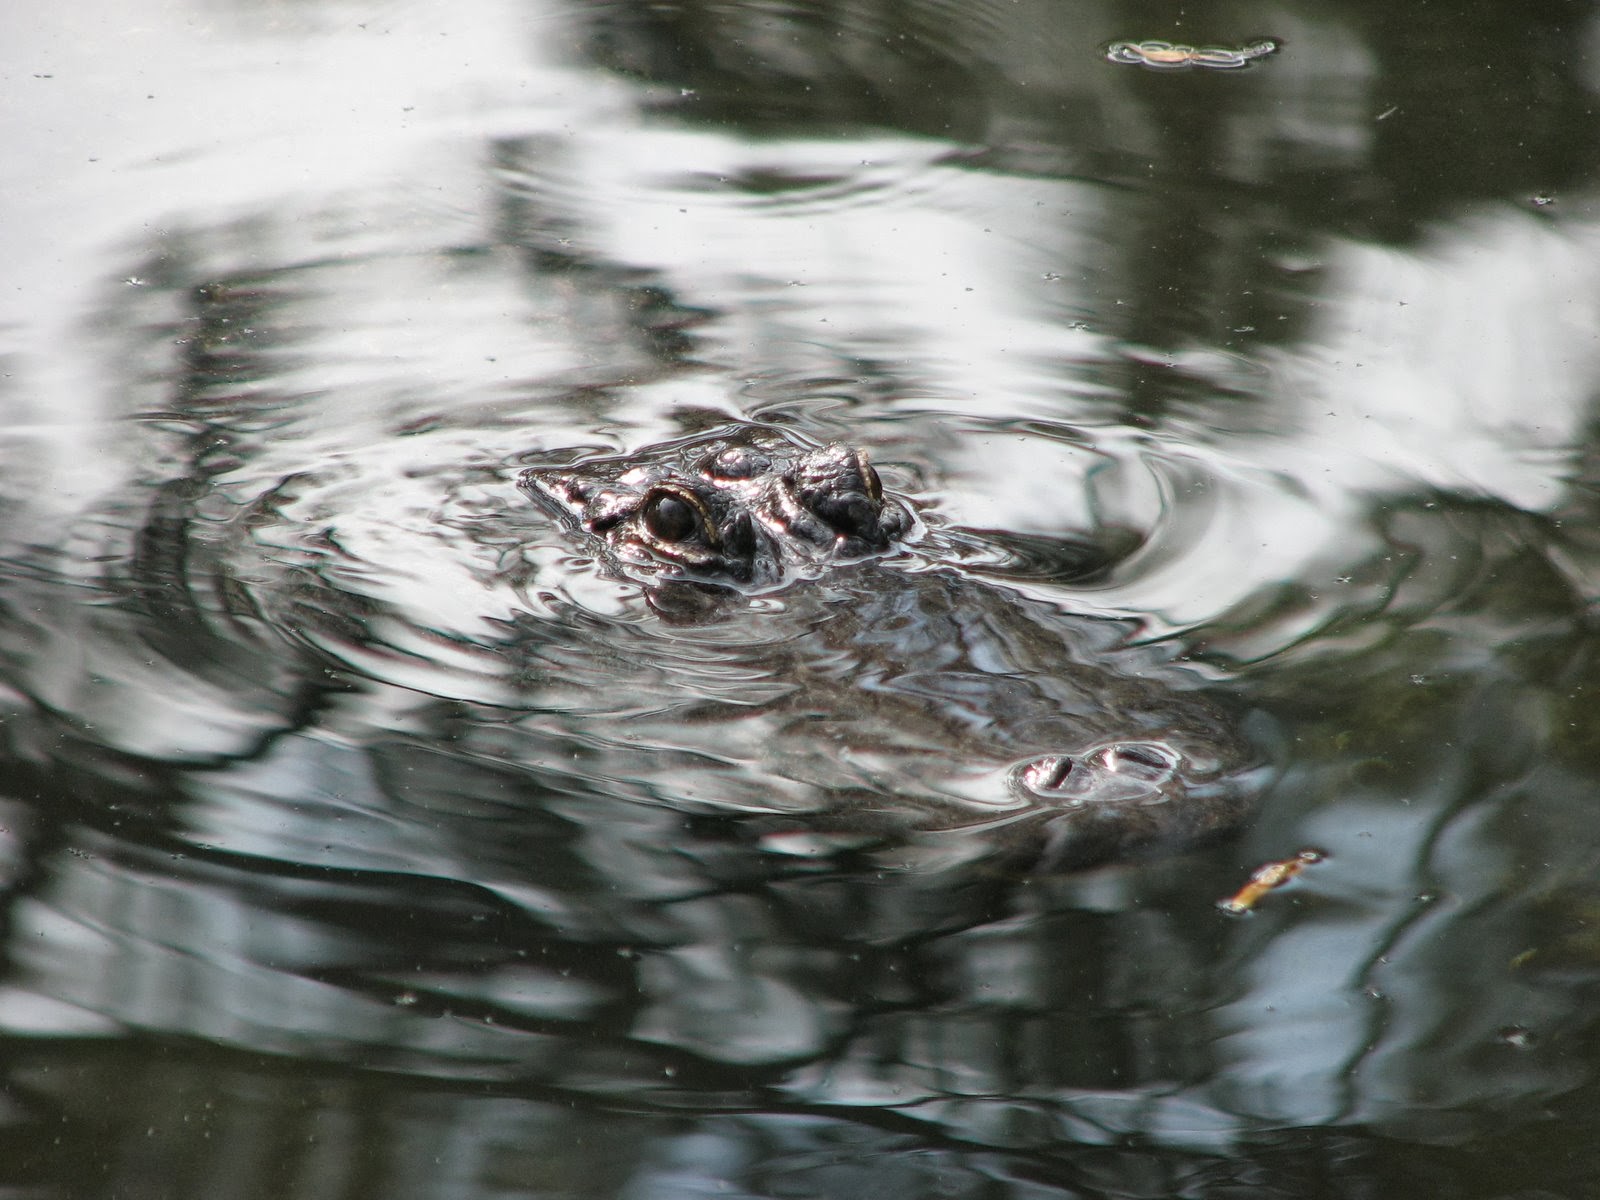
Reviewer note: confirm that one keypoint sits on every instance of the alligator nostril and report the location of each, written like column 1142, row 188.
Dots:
column 1140, row 760
column 1046, row 775
column 1056, row 773
column 1110, row 773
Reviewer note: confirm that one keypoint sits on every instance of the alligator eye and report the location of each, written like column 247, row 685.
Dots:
column 671, row 517
column 869, row 476
column 851, row 514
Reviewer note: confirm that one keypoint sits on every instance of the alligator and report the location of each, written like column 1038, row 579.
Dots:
column 916, row 694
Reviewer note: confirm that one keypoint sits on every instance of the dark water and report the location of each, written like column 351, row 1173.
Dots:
column 361, row 836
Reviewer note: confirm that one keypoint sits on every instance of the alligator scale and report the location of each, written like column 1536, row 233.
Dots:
column 914, row 695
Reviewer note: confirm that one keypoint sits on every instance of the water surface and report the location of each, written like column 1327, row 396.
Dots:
column 361, row 834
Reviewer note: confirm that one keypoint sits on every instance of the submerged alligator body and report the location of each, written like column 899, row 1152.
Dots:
column 909, row 696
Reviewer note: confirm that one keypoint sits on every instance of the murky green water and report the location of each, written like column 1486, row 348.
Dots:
column 362, row 835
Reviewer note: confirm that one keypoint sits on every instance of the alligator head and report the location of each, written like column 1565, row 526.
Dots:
column 739, row 514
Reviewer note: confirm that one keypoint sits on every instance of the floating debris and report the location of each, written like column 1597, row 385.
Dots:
column 1165, row 56
column 1265, row 878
